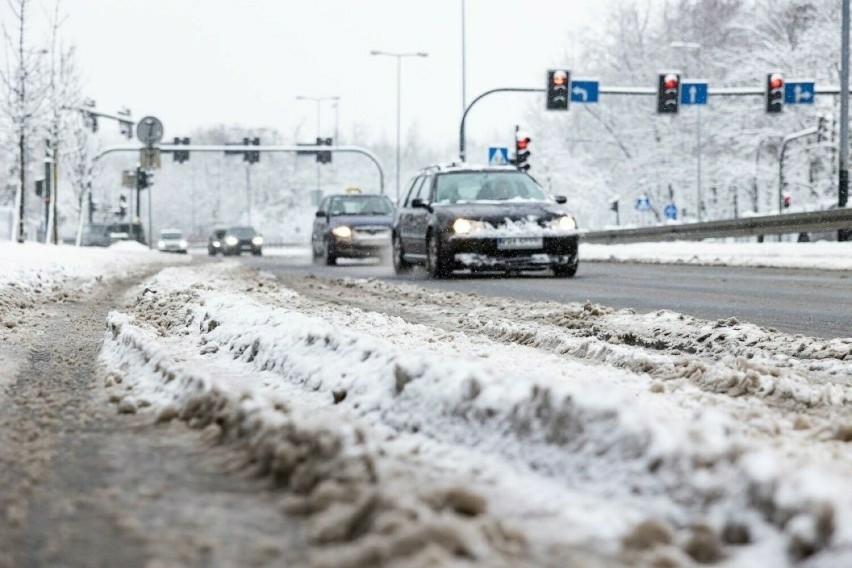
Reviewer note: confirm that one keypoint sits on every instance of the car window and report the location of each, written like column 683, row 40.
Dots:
column 219, row 233
column 412, row 191
column 242, row 231
column 487, row 186
column 171, row 235
column 425, row 189
column 361, row 205
column 324, row 205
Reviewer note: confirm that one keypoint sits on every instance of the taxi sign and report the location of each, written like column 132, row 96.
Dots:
column 352, row 190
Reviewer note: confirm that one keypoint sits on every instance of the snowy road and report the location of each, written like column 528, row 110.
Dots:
column 816, row 303
column 385, row 423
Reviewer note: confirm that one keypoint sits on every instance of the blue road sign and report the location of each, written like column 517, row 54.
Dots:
column 498, row 156
column 670, row 211
column 693, row 93
column 643, row 203
column 583, row 91
column 799, row 92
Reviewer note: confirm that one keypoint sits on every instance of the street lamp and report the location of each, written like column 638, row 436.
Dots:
column 318, row 101
column 696, row 47
column 399, row 57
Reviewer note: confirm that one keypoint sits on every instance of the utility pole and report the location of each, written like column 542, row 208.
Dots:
column 843, row 174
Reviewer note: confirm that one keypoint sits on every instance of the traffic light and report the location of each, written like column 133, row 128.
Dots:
column 39, row 187
column 324, row 157
column 251, row 156
column 558, row 84
column 181, row 156
column 787, row 200
column 122, row 207
column 144, row 180
column 774, row 92
column 255, row 155
column 522, row 153
column 668, row 93
column 822, row 129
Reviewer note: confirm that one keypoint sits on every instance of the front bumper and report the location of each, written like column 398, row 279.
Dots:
column 485, row 254
column 360, row 246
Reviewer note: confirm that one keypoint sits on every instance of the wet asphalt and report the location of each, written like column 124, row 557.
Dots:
column 809, row 302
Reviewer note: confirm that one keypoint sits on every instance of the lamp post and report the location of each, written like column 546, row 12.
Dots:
column 318, row 101
column 399, row 57
column 696, row 47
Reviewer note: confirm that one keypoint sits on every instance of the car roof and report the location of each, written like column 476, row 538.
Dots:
column 454, row 167
column 357, row 195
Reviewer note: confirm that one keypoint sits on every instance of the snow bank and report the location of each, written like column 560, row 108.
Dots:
column 33, row 272
column 819, row 255
column 681, row 460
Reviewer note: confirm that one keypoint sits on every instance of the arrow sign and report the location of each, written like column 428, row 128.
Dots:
column 799, row 92
column 670, row 211
column 693, row 93
column 498, row 156
column 584, row 91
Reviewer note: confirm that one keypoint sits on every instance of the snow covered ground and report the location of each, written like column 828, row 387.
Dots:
column 820, row 255
column 433, row 426
column 33, row 272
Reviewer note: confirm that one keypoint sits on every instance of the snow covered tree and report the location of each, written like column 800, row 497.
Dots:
column 23, row 92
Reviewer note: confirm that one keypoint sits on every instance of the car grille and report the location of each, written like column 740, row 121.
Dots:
column 371, row 231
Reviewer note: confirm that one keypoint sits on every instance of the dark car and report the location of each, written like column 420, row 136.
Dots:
column 215, row 241
column 95, row 235
column 497, row 218
column 352, row 226
column 239, row 239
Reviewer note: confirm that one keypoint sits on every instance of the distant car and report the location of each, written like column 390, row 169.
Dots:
column 482, row 218
column 239, row 239
column 215, row 242
column 125, row 232
column 95, row 235
column 352, row 226
column 172, row 240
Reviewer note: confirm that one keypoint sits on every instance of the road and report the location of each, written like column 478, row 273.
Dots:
column 809, row 302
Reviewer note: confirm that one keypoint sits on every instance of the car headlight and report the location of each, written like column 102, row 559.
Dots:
column 216, row 244
column 342, row 231
column 565, row 223
column 257, row 241
column 466, row 226
column 183, row 244
column 231, row 241
column 161, row 244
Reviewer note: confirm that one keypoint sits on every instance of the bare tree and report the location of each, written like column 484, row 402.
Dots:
column 22, row 81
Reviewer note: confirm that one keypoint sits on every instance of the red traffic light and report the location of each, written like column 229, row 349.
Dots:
column 522, row 143
column 670, row 82
column 560, row 78
column 776, row 81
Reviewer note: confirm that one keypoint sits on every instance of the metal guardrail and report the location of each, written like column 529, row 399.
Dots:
column 812, row 221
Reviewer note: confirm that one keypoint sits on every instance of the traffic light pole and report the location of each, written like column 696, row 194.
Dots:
column 787, row 139
column 843, row 173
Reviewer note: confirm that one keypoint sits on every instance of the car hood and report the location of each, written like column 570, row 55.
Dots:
column 361, row 220
column 496, row 212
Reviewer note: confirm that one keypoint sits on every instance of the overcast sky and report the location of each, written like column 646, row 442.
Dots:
column 203, row 62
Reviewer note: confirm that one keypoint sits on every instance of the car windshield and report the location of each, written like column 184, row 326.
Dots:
column 171, row 235
column 361, row 205
column 242, row 232
column 93, row 229
column 487, row 186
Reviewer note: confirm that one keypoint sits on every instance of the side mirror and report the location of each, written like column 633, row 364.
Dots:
column 320, row 214
column 419, row 204
column 560, row 199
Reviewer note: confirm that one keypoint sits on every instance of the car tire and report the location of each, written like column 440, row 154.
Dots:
column 566, row 270
column 400, row 265
column 437, row 265
column 257, row 253
column 211, row 252
column 329, row 258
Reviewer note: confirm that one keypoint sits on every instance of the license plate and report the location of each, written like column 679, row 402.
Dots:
column 520, row 243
